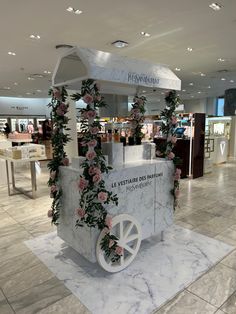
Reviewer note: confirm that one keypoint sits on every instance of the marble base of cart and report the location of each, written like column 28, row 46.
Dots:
column 159, row 272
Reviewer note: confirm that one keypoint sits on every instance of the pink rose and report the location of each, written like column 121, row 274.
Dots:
column 94, row 130
column 53, row 175
column 97, row 170
column 91, row 171
column 97, row 178
column 91, row 114
column 92, row 143
column 88, row 98
column 102, row 197
column 84, row 114
column 82, row 184
column 108, row 222
column 63, row 107
column 174, row 120
column 98, row 98
column 60, row 112
column 81, row 212
column 177, row 177
column 53, row 188
column 140, row 101
column 111, row 243
column 65, row 161
column 90, row 155
column 50, row 213
column 178, row 171
column 56, row 93
column 170, row 156
column 119, row 250
column 177, row 193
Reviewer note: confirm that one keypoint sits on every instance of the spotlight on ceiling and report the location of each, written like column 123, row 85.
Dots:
column 120, row 44
column 215, row 6
column 145, row 34
column 189, row 49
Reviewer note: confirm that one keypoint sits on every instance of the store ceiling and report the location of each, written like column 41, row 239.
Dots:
column 173, row 26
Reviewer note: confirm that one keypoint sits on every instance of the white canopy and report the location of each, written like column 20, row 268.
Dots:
column 117, row 74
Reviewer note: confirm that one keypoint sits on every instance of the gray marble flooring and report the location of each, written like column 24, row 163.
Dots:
column 207, row 206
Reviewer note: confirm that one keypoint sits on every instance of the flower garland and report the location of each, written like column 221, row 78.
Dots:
column 169, row 123
column 137, row 115
column 94, row 197
column 59, row 139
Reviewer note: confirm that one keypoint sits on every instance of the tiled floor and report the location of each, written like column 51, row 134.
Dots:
column 208, row 206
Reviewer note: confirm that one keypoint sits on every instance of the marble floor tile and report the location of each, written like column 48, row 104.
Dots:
column 219, row 312
column 230, row 261
column 214, row 226
column 39, row 297
column 70, row 303
column 172, row 265
column 216, row 286
column 196, row 219
column 24, row 280
column 41, row 228
column 6, row 220
column 14, row 237
column 187, row 303
column 229, row 306
column 228, row 236
column 5, row 308
column 184, row 224
column 16, row 265
column 13, row 251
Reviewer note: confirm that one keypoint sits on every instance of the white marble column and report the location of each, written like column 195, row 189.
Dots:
column 71, row 148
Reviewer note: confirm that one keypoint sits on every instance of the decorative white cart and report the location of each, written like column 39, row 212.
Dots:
column 145, row 209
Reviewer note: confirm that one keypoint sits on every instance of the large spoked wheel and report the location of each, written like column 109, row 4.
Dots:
column 129, row 233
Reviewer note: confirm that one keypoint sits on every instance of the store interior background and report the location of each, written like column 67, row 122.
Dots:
column 197, row 44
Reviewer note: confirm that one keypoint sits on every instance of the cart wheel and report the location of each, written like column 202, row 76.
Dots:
column 129, row 233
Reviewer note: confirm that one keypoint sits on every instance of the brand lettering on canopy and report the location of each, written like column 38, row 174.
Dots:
column 142, row 78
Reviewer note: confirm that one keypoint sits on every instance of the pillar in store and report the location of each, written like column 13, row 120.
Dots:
column 71, row 148
column 232, row 142
column 230, row 102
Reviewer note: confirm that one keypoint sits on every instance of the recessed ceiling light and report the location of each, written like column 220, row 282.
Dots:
column 7, row 87
column 192, row 96
column 199, row 92
column 28, row 93
column 78, row 12
column 177, row 69
column 183, row 90
column 223, row 79
column 190, row 84
column 120, row 44
column 162, row 93
column 209, row 86
column 145, row 34
column 190, row 49
column 11, row 53
column 203, row 74
column 38, row 90
column 31, row 78
column 221, row 60
column 15, row 83
column 215, row 6
column 143, row 91
column 70, row 9
column 62, row 46
column 231, row 81
column 35, row 36
column 47, row 72
column 73, row 10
